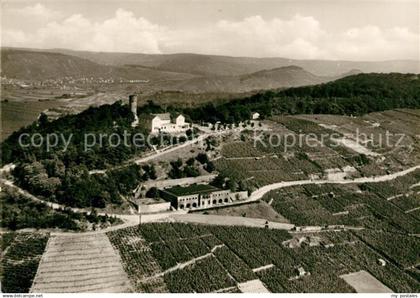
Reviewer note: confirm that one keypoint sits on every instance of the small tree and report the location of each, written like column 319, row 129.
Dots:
column 190, row 161
column 210, row 167
column 202, row 158
column 153, row 192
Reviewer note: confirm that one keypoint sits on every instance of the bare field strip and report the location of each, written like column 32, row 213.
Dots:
column 253, row 286
column 364, row 282
column 229, row 221
column 80, row 263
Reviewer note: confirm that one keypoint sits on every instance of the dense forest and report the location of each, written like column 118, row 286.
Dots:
column 63, row 175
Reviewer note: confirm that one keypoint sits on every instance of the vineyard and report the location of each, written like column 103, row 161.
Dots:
column 394, row 123
column 266, row 170
column 298, row 147
column 21, row 255
column 365, row 205
column 271, row 157
column 401, row 249
column 218, row 258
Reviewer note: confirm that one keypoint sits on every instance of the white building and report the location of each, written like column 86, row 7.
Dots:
column 164, row 123
column 200, row 196
column 255, row 116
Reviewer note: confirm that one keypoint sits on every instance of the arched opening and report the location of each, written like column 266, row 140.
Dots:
column 214, row 201
column 220, row 201
column 194, row 205
column 188, row 205
column 226, row 200
column 181, row 206
column 208, row 202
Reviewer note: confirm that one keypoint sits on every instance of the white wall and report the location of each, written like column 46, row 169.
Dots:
column 153, row 208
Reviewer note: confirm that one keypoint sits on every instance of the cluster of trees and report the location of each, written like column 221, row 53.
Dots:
column 223, row 182
column 74, row 186
column 19, row 212
column 204, row 160
column 181, row 170
column 190, row 168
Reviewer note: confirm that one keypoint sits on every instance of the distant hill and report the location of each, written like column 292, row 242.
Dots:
column 186, row 72
column 45, row 65
column 290, row 76
column 41, row 65
column 231, row 66
column 283, row 77
column 200, row 75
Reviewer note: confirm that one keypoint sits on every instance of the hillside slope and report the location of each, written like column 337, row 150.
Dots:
column 194, row 73
column 31, row 65
column 41, row 65
column 283, row 77
column 230, row 66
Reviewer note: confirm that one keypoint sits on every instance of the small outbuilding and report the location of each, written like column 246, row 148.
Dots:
column 382, row 262
column 255, row 116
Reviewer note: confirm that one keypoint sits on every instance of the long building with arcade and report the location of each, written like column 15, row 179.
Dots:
column 200, row 196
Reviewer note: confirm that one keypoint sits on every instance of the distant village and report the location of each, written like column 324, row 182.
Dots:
column 67, row 81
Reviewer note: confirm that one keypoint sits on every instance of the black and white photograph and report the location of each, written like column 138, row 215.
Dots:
column 210, row 146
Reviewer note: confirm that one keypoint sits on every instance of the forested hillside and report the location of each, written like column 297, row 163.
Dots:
column 353, row 95
column 61, row 173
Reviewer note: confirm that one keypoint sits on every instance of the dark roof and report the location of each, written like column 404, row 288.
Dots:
column 191, row 190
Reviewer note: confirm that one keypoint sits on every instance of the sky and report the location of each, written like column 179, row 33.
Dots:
column 299, row 29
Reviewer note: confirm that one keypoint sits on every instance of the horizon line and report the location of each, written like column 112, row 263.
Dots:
column 201, row 54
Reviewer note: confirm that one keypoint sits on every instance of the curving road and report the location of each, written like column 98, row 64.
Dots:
column 259, row 193
column 132, row 220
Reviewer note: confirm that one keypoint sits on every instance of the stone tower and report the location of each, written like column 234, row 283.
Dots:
column 132, row 101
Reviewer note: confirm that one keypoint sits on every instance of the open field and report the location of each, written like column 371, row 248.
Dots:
column 364, row 282
column 202, row 258
column 253, row 286
column 17, row 114
column 80, row 263
column 222, row 220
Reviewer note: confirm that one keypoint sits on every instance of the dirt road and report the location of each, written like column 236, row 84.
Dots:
column 229, row 221
column 132, row 220
column 259, row 193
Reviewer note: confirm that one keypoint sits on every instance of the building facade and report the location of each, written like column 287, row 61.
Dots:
column 164, row 123
column 201, row 196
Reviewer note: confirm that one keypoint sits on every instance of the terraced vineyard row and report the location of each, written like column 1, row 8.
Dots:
column 361, row 205
column 245, row 249
column 21, row 255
